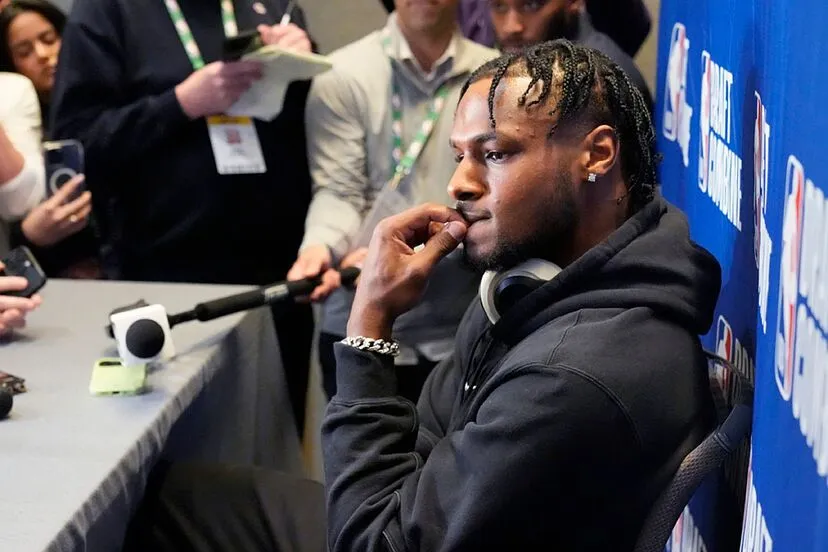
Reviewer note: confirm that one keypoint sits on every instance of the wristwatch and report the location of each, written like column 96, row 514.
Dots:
column 380, row 346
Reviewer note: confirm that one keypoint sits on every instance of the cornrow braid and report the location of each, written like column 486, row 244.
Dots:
column 588, row 87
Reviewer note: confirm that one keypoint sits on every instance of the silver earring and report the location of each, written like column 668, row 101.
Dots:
column 591, row 177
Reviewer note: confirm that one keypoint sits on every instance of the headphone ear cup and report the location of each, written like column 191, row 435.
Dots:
column 512, row 289
column 499, row 291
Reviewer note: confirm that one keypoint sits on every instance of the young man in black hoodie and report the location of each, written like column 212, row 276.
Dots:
column 553, row 428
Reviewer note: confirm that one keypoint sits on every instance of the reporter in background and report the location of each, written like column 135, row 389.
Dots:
column 22, row 178
column 58, row 231
column 626, row 22
column 136, row 84
column 379, row 110
column 30, row 39
column 522, row 23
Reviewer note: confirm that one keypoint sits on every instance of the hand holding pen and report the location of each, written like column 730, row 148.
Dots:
column 285, row 34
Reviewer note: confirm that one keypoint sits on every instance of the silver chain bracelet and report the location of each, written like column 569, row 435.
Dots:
column 380, row 346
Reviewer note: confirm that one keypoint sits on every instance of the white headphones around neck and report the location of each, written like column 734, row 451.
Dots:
column 500, row 290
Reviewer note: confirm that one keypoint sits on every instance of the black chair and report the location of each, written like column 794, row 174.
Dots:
column 733, row 396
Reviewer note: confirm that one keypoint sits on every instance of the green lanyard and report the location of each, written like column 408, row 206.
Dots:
column 404, row 163
column 228, row 16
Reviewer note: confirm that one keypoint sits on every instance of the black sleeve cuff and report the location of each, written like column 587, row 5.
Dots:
column 363, row 374
column 170, row 108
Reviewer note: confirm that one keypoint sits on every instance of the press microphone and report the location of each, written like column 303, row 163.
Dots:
column 267, row 295
column 143, row 333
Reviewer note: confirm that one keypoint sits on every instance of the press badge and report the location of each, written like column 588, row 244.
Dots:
column 236, row 146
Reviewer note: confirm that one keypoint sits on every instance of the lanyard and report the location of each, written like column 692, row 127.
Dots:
column 404, row 163
column 228, row 17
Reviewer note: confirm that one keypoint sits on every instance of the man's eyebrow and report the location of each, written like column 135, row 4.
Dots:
column 479, row 139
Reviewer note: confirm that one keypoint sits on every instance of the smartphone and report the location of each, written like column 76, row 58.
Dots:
column 64, row 160
column 235, row 47
column 21, row 262
column 111, row 377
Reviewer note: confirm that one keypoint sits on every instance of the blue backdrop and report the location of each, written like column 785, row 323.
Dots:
column 741, row 127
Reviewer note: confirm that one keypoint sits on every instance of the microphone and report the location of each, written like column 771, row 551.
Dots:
column 143, row 333
column 6, row 402
column 267, row 295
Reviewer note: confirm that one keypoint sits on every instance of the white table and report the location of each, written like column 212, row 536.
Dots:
column 74, row 465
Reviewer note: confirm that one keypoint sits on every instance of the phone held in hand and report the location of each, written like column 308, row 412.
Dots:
column 64, row 159
column 21, row 262
column 235, row 47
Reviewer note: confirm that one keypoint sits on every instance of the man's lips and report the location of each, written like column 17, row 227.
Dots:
column 472, row 216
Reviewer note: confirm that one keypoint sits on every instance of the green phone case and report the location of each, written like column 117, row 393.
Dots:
column 111, row 377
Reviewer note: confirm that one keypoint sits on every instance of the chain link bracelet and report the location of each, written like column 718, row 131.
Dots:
column 380, row 346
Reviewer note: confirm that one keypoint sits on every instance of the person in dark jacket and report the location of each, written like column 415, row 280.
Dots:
column 626, row 22
column 143, row 85
column 553, row 428
column 521, row 23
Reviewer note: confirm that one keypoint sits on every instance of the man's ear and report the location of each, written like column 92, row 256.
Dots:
column 600, row 151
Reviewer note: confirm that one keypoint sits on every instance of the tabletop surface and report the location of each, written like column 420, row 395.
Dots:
column 60, row 442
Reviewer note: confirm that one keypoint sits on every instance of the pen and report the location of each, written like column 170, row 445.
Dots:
column 286, row 18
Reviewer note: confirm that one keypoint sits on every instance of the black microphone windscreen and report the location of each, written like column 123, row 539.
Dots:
column 144, row 338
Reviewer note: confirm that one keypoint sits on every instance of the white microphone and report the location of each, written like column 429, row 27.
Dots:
column 143, row 335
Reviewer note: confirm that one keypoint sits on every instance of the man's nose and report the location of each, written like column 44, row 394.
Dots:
column 465, row 185
column 513, row 25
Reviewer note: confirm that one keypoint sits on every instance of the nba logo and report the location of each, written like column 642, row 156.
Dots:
column 789, row 276
column 724, row 339
column 677, row 113
column 724, row 348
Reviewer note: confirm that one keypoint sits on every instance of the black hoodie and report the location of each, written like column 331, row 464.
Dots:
column 553, row 429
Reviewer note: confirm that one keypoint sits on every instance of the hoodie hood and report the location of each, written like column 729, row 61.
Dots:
column 650, row 261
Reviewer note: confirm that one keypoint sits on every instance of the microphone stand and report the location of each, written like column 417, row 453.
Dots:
column 247, row 300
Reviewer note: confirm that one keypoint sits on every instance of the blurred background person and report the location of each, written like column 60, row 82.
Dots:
column 31, row 35
column 626, row 22
column 387, row 104
column 136, row 84
column 521, row 23
column 21, row 161
column 58, row 231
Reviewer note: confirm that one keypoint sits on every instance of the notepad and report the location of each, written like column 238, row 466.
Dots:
column 264, row 99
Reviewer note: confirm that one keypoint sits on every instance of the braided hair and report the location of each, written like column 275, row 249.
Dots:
column 588, row 87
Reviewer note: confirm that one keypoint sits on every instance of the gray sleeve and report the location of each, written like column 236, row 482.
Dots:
column 338, row 163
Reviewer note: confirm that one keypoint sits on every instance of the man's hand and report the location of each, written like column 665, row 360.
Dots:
column 215, row 87
column 331, row 279
column 289, row 37
column 13, row 310
column 58, row 218
column 313, row 261
column 394, row 275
